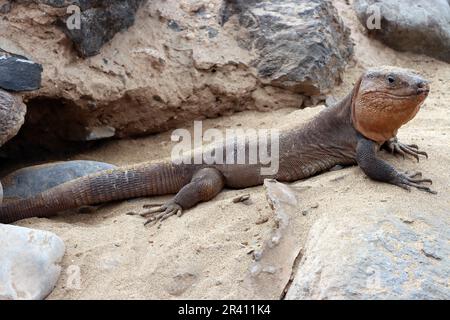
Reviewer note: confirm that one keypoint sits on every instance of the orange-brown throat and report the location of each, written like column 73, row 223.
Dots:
column 378, row 115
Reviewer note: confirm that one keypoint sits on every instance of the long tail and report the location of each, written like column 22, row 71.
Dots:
column 122, row 183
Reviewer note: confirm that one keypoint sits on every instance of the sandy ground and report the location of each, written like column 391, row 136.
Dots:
column 206, row 253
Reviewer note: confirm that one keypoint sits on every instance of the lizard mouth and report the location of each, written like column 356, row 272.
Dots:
column 404, row 96
column 423, row 91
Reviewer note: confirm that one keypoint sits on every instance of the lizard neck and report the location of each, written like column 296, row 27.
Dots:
column 327, row 140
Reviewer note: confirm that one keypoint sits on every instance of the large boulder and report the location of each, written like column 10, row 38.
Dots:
column 30, row 262
column 301, row 45
column 375, row 255
column 419, row 26
column 178, row 62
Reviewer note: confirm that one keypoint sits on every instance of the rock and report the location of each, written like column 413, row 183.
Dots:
column 18, row 72
column 375, row 255
column 29, row 181
column 30, row 262
column 91, row 134
column 156, row 76
column 100, row 21
column 12, row 115
column 301, row 45
column 5, row 6
column 273, row 263
column 409, row 25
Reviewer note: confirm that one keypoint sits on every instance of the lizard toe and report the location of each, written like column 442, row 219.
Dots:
column 163, row 212
column 408, row 180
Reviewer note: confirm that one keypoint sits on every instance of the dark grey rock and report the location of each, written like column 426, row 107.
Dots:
column 212, row 33
column 29, row 181
column 175, row 26
column 301, row 45
column 419, row 26
column 99, row 21
column 18, row 73
column 5, row 6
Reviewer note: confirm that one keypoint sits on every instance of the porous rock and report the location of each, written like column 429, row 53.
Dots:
column 301, row 45
column 375, row 255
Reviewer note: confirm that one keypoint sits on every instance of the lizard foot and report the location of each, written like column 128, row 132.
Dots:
column 159, row 212
column 413, row 179
column 395, row 147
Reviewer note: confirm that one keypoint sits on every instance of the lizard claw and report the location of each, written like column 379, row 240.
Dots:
column 397, row 148
column 159, row 212
column 413, row 179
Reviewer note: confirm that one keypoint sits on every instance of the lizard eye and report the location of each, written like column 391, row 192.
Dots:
column 391, row 79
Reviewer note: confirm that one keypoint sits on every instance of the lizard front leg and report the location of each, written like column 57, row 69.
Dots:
column 205, row 185
column 395, row 147
column 380, row 170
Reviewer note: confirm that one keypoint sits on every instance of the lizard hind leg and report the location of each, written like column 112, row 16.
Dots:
column 204, row 185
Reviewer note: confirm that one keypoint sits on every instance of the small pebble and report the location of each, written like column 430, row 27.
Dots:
column 241, row 198
column 262, row 220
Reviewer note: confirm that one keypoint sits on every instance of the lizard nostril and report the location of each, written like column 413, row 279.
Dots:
column 422, row 87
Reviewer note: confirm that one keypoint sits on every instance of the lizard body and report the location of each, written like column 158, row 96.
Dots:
column 350, row 132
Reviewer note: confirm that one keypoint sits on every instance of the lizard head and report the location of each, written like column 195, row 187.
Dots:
column 386, row 98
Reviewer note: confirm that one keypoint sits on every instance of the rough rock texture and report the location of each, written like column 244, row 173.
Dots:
column 29, row 181
column 375, row 253
column 12, row 115
column 175, row 64
column 5, row 6
column 301, row 45
column 411, row 25
column 271, row 270
column 18, row 72
column 99, row 22
column 30, row 262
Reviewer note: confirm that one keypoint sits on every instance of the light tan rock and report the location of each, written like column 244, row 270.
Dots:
column 30, row 262
column 178, row 62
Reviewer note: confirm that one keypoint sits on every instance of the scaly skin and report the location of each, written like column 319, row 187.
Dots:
column 351, row 132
